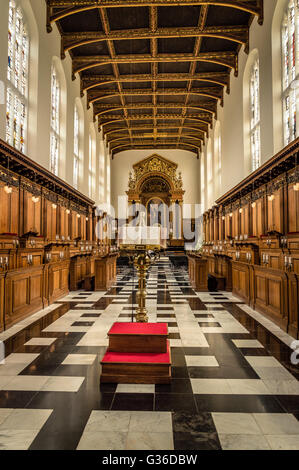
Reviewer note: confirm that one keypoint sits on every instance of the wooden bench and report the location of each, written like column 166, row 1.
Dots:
column 88, row 283
column 220, row 280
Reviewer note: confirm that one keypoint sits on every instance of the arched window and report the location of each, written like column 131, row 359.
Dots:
column 102, row 171
column 91, row 166
column 55, row 122
column 76, row 156
column 17, row 79
column 290, row 44
column 210, row 188
column 108, row 184
column 255, row 130
column 202, row 181
column 217, row 157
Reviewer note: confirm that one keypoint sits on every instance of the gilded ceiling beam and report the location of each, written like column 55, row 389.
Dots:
column 150, row 127
column 73, row 7
column 238, row 34
column 157, row 136
column 112, row 119
column 217, row 78
column 209, row 109
column 169, row 144
column 227, row 59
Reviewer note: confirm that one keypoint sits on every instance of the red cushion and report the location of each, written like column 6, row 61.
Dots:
column 137, row 358
column 124, row 328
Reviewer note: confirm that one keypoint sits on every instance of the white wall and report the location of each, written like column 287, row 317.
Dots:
column 187, row 162
column 265, row 39
column 232, row 117
column 43, row 48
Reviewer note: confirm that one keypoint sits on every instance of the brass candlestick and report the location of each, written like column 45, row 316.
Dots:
column 142, row 257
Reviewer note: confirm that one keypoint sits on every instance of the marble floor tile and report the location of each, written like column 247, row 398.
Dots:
column 243, row 442
column 211, row 386
column 4, row 413
column 25, row 419
column 12, row 369
column 25, row 382
column 248, row 387
column 150, row 422
column 100, row 420
column 232, row 375
column 62, row 384
column 103, row 440
column 263, row 361
column 40, row 341
column 80, row 359
column 277, row 423
column 282, row 387
column 149, row 441
column 17, row 439
column 235, row 423
column 201, row 361
column 274, row 373
column 247, row 343
column 135, row 388
column 20, row 358
column 283, row 442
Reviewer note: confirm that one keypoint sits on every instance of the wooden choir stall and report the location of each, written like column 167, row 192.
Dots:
column 251, row 240
column 48, row 239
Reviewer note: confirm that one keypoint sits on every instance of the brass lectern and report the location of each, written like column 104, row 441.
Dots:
column 142, row 256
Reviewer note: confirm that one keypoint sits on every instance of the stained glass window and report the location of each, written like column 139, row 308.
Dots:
column 290, row 45
column 17, row 78
column 76, row 149
column 217, row 158
column 55, row 122
column 255, row 138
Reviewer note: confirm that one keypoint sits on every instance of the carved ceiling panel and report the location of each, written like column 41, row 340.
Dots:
column 158, row 66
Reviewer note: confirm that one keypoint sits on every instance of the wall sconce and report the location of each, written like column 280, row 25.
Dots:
column 284, row 242
column 54, row 206
column 249, row 257
column 268, row 242
column 240, row 210
column 271, row 197
column 8, row 189
column 265, row 259
column 237, row 255
column 68, row 211
column 223, row 218
column 288, row 263
column 230, row 214
column 35, row 199
column 29, row 259
column 4, row 262
column 86, row 218
column 78, row 216
column 61, row 254
column 253, row 205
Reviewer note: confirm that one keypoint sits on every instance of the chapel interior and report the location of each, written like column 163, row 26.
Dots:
column 175, row 120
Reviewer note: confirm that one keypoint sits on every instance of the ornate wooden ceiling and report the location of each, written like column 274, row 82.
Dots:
column 154, row 70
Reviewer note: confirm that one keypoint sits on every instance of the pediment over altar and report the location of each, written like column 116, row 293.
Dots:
column 154, row 166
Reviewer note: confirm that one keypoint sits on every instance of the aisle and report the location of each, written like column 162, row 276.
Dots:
column 233, row 384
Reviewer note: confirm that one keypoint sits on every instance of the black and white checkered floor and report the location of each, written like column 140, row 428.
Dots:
column 233, row 385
